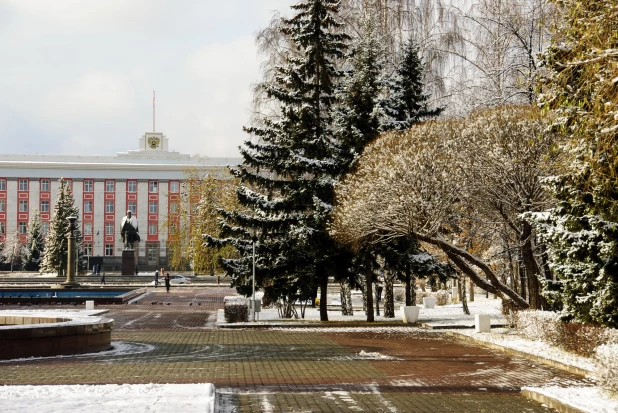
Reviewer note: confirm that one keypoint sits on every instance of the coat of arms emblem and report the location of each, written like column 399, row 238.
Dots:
column 153, row 141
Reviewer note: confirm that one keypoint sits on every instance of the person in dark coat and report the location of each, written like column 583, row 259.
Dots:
column 156, row 280
column 167, row 281
column 103, row 279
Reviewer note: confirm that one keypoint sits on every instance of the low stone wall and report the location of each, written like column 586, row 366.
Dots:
column 39, row 336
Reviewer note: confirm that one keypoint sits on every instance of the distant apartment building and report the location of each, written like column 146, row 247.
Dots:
column 146, row 182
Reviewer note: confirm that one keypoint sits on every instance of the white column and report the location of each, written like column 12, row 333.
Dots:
column 142, row 214
column 99, row 217
column 34, row 188
column 120, row 207
column 78, row 197
column 11, row 205
column 163, row 208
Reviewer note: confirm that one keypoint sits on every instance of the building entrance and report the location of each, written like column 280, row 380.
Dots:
column 152, row 252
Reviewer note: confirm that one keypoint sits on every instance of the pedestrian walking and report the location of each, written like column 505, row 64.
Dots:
column 167, row 281
column 156, row 280
column 103, row 279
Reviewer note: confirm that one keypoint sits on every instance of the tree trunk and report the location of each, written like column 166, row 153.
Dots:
column 532, row 270
column 346, row 298
column 471, row 291
column 461, row 289
column 464, row 301
column 389, row 298
column 458, row 255
column 363, row 288
column 323, row 297
column 369, row 292
column 377, row 301
column 408, row 286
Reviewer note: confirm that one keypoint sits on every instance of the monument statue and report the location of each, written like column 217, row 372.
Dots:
column 129, row 231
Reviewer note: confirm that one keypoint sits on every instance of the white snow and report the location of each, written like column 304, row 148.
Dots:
column 506, row 338
column 77, row 317
column 119, row 348
column 200, row 397
column 136, row 398
column 586, row 399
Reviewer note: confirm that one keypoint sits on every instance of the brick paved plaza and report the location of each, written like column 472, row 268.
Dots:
column 294, row 370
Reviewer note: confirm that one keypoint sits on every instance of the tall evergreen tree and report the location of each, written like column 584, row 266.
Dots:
column 582, row 230
column 370, row 104
column 35, row 243
column 358, row 116
column 357, row 122
column 406, row 103
column 56, row 242
column 286, row 176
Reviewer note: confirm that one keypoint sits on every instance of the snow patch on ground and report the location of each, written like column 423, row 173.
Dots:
column 136, row 398
column 507, row 338
column 119, row 348
column 374, row 356
column 587, row 399
column 77, row 317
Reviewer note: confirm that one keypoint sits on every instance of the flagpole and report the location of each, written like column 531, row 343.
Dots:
column 153, row 111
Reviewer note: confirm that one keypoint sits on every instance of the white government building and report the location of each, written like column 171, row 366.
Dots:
column 146, row 181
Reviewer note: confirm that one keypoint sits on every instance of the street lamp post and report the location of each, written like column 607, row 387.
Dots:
column 253, row 232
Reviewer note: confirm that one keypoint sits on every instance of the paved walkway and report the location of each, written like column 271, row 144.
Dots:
column 171, row 338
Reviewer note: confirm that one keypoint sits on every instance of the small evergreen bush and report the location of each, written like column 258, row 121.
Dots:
column 442, row 297
column 420, row 295
column 606, row 358
column 235, row 309
column 577, row 338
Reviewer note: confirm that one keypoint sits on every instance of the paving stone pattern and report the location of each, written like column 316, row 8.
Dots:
column 169, row 338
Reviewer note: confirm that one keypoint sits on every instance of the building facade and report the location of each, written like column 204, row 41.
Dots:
column 146, row 181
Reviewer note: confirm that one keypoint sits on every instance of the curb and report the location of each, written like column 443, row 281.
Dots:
column 550, row 401
column 456, row 326
column 553, row 363
column 221, row 323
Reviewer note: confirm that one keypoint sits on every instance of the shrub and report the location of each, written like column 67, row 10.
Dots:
column 539, row 325
column 400, row 295
column 235, row 309
column 442, row 297
column 509, row 311
column 606, row 361
column 420, row 295
column 581, row 339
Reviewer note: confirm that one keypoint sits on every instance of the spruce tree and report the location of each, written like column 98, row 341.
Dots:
column 357, row 122
column 35, row 243
column 581, row 232
column 56, row 242
column 286, row 176
column 406, row 103
column 358, row 116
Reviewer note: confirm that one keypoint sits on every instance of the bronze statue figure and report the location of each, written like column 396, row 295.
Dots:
column 129, row 231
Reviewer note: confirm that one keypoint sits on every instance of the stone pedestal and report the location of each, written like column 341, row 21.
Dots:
column 482, row 323
column 429, row 302
column 128, row 262
column 409, row 314
column 454, row 295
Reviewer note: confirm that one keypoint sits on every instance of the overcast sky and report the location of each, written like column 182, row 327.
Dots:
column 76, row 76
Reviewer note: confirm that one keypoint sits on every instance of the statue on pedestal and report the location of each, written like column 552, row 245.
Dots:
column 129, row 231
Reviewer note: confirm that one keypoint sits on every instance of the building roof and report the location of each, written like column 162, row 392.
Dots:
column 145, row 163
